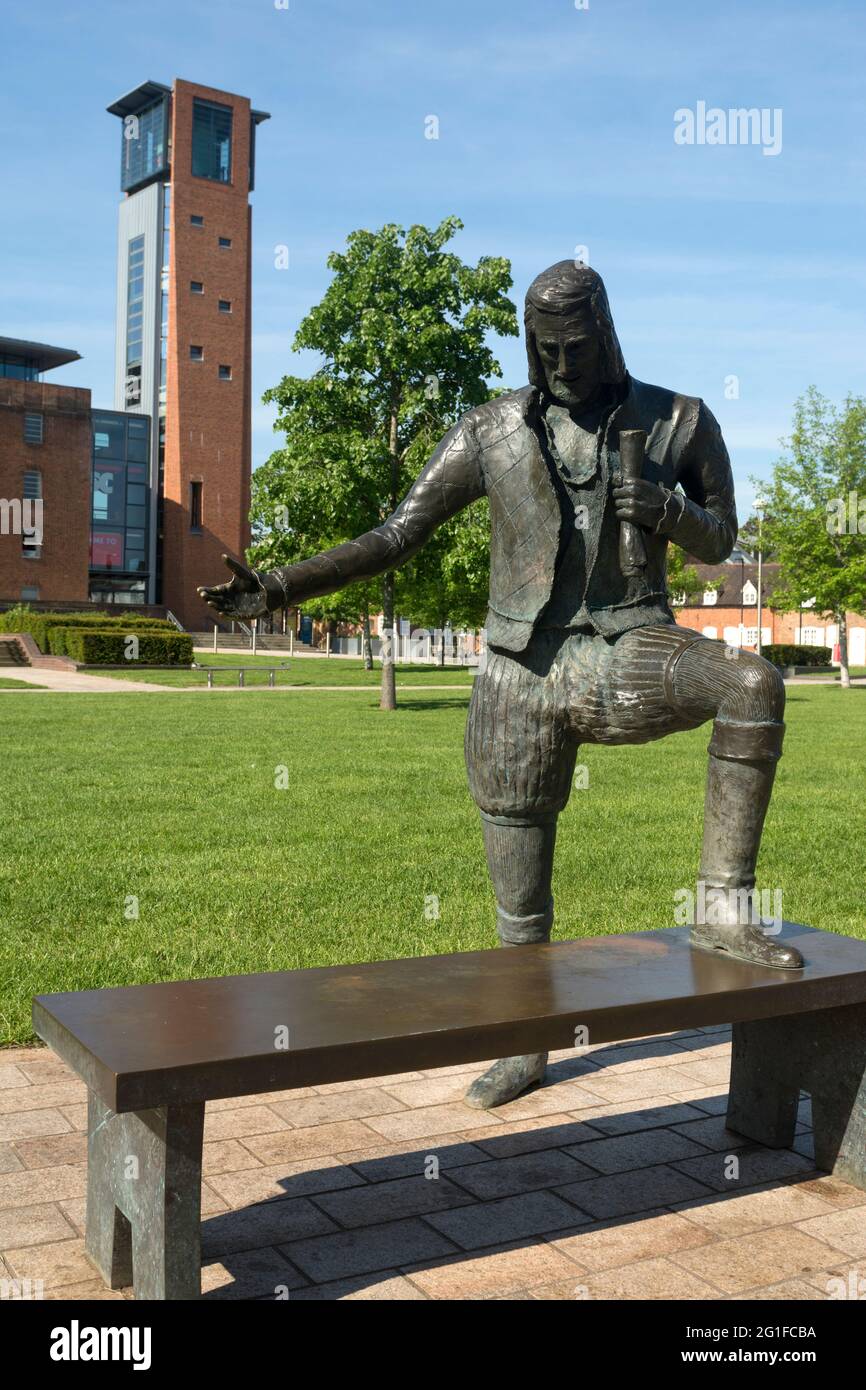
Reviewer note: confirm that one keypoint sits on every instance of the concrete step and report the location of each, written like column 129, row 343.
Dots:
column 11, row 653
column 54, row 663
column 238, row 641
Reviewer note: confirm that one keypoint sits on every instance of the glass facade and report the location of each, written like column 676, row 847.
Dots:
column 211, row 141
column 20, row 368
column 134, row 319
column 160, row 505
column 163, row 296
column 144, row 145
column 120, row 506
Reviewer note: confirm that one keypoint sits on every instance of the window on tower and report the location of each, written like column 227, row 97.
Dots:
column 195, row 506
column 31, row 540
column 211, row 141
column 143, row 144
column 134, row 319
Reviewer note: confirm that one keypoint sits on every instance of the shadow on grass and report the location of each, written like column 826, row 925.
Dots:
column 446, row 702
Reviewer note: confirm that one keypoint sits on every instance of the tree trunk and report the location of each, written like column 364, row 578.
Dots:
column 442, row 644
column 366, row 644
column 388, row 698
column 844, row 672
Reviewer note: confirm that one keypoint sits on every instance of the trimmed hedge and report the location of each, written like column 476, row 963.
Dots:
column 40, row 624
column 788, row 654
column 102, row 647
column 57, row 637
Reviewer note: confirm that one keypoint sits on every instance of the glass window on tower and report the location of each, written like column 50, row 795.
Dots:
column 143, row 144
column 163, row 300
column 211, row 141
column 134, row 319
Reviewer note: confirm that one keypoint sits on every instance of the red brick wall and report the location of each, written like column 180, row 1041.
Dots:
column 63, row 459
column 207, row 420
column 782, row 626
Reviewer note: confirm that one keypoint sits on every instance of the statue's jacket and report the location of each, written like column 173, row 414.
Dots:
column 500, row 450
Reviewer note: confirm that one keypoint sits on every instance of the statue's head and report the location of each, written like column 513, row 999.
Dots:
column 571, row 342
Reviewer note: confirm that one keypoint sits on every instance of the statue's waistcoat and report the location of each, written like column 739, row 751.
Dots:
column 527, row 516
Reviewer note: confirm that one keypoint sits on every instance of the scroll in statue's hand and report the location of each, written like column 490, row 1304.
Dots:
column 639, row 501
column 242, row 597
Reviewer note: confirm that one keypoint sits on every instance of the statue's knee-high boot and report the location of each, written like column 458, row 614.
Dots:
column 520, row 860
column 742, row 769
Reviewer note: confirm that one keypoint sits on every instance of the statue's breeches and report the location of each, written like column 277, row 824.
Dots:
column 531, row 711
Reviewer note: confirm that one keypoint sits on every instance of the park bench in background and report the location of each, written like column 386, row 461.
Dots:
column 241, row 670
column 152, row 1055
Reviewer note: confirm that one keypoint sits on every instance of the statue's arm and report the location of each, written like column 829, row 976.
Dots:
column 704, row 521
column 450, row 481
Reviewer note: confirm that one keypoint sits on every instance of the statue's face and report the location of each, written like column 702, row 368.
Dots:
column 571, row 357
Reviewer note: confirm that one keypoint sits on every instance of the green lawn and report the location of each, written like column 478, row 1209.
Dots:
column 174, row 801
column 10, row 683
column 302, row 671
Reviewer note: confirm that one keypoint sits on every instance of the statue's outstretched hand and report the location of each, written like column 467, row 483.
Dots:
column 242, row 597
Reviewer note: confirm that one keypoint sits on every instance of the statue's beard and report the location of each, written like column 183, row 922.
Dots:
column 577, row 394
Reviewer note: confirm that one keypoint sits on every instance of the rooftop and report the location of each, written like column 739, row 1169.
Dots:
column 136, row 100
column 42, row 355
column 148, row 92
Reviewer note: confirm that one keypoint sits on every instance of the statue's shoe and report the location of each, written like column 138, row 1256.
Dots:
column 507, row 1078
column 746, row 941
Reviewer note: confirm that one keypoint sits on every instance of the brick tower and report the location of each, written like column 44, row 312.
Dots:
column 184, row 324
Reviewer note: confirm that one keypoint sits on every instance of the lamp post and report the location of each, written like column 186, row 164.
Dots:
column 759, row 508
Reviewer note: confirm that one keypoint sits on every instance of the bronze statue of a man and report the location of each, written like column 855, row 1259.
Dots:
column 583, row 647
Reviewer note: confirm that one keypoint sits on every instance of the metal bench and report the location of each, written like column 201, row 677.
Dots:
column 241, row 670
column 152, row 1055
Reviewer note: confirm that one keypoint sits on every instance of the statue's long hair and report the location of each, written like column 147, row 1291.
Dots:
column 562, row 289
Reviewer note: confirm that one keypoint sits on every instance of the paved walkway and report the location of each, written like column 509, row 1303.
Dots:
column 822, row 680
column 614, row 1181
column 78, row 681
column 71, row 680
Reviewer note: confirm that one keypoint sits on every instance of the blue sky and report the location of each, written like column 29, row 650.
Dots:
column 556, row 130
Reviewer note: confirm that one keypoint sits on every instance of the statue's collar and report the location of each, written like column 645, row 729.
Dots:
column 533, row 406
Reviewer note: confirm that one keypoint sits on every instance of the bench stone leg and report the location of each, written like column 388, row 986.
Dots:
column 144, row 1199
column 835, row 1047
column 823, row 1053
column 764, row 1090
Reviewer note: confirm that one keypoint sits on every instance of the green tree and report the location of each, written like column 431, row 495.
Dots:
column 402, row 331
column 815, row 512
column 447, row 582
column 683, row 582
